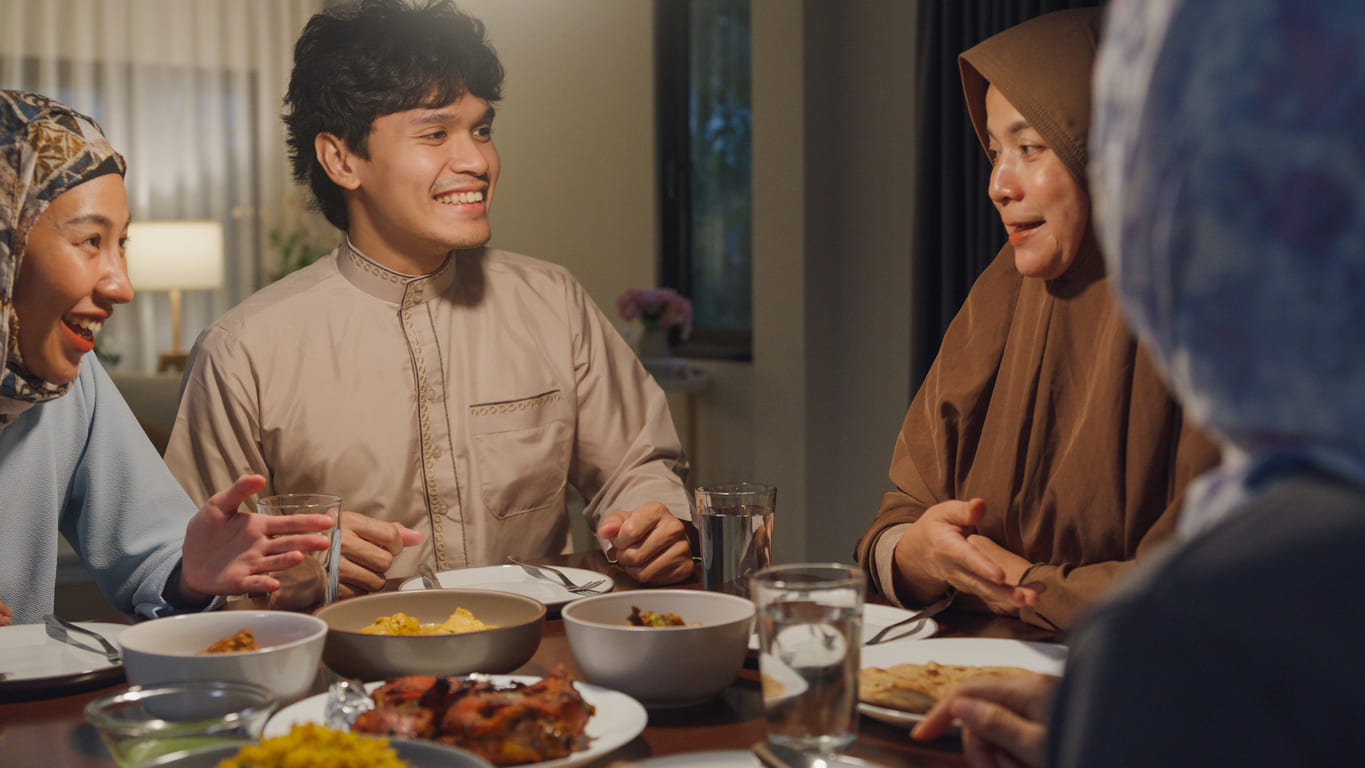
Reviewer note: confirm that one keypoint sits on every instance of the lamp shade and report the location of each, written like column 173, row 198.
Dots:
column 167, row 255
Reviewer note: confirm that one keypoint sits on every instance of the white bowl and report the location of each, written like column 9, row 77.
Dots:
column 169, row 650
column 661, row 666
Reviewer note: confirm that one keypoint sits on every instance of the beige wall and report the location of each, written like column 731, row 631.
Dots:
column 575, row 132
column 818, row 409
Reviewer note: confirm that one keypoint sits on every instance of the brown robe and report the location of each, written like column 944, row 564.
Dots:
column 1040, row 402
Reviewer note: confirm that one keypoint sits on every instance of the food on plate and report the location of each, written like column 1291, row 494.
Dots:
column 915, row 687
column 638, row 618
column 506, row 725
column 308, row 745
column 771, row 686
column 460, row 622
column 242, row 641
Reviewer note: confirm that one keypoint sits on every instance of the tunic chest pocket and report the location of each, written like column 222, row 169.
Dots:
column 522, row 449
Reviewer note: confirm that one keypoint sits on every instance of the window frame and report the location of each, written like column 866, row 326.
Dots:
column 672, row 46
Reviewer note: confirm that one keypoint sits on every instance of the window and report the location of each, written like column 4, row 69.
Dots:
column 704, row 169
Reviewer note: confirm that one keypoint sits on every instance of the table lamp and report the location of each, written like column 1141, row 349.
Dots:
column 175, row 256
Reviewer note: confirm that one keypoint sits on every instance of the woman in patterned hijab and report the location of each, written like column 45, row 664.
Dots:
column 1227, row 157
column 45, row 150
column 73, row 461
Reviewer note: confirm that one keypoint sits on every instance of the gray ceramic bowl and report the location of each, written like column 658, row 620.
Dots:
column 661, row 666
column 169, row 650
column 418, row 754
column 517, row 622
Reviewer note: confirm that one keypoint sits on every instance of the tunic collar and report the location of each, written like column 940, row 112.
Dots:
column 383, row 283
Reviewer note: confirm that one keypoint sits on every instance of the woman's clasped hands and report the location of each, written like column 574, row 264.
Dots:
column 942, row 549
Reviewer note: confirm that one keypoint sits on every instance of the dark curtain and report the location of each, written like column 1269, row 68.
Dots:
column 959, row 231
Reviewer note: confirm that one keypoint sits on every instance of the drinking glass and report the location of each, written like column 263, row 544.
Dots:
column 317, row 504
column 809, row 632
column 735, row 523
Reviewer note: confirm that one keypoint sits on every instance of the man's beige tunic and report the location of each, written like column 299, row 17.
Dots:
column 458, row 403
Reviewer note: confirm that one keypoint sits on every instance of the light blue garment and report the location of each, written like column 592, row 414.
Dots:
column 1228, row 163
column 81, row 465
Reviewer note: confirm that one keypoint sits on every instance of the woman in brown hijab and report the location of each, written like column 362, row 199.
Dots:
column 1042, row 454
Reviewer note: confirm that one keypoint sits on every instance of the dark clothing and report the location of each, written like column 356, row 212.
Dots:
column 1183, row 664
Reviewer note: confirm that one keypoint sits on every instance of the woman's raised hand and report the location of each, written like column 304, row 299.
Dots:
column 227, row 552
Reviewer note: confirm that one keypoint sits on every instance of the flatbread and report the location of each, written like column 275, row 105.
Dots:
column 915, row 687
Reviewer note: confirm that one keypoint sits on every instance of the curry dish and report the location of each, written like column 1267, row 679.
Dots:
column 639, row 618
column 242, row 641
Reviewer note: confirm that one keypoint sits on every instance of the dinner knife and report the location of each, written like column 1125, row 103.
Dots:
column 933, row 610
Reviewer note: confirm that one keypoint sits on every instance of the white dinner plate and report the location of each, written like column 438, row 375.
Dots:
column 728, row 758
column 618, row 719
column 735, row 758
column 34, row 661
column 1048, row 658
column 878, row 617
column 514, row 578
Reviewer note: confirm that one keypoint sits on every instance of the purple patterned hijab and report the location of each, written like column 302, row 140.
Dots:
column 1228, row 149
column 45, row 149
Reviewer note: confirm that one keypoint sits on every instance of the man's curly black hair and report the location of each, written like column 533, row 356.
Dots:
column 355, row 64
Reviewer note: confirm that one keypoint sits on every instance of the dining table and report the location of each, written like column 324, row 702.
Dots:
column 48, row 729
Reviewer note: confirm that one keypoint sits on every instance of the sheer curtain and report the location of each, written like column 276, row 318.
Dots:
column 190, row 92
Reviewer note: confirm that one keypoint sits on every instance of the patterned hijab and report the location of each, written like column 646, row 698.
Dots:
column 1228, row 153
column 45, row 149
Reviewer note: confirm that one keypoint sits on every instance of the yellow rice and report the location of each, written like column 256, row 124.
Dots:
column 400, row 623
column 309, row 745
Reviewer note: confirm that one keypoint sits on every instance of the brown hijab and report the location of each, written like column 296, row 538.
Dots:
column 1040, row 401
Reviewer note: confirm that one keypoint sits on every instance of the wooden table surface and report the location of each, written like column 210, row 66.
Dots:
column 51, row 732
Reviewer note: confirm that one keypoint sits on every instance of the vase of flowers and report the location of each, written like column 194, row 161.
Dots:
column 659, row 311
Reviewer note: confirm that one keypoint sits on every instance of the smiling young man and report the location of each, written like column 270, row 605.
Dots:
column 447, row 391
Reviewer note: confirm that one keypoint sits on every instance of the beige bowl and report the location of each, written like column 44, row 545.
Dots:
column 517, row 622
column 168, row 650
column 661, row 666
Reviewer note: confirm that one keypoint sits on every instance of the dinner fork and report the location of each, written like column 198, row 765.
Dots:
column 59, row 627
column 933, row 609
column 569, row 584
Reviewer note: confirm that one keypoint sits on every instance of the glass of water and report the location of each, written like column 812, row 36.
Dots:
column 329, row 560
column 735, row 527
column 809, row 630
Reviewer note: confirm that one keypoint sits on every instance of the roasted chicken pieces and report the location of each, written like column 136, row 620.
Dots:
column 505, row 725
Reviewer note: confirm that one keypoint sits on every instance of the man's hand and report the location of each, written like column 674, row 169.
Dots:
column 227, row 552
column 650, row 543
column 368, row 547
column 942, row 549
column 6, row 614
column 1002, row 719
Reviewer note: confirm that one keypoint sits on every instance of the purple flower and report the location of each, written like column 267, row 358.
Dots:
column 657, row 308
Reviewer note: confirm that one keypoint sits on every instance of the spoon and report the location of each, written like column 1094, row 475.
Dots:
column 429, row 580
